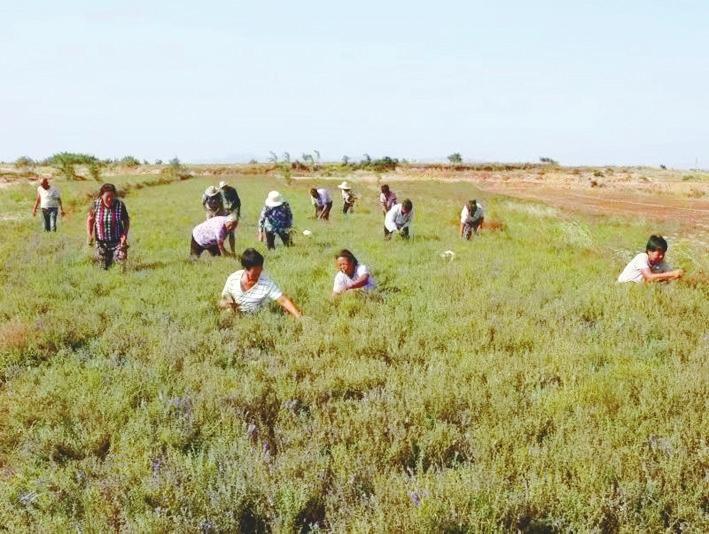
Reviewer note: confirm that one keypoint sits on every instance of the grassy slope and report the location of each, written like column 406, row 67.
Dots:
column 515, row 387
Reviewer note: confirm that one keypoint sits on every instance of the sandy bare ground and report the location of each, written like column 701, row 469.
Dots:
column 691, row 212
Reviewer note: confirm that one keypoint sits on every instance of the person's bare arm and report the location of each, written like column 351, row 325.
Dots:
column 223, row 251
column 36, row 205
column 359, row 282
column 649, row 276
column 90, row 222
column 462, row 227
column 226, row 303
column 61, row 206
column 287, row 304
column 232, row 242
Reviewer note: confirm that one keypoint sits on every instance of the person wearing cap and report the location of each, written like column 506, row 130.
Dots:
column 249, row 289
column 322, row 201
column 348, row 197
column 231, row 200
column 387, row 199
column 213, row 202
column 108, row 223
column 472, row 217
column 210, row 236
column 398, row 219
column 50, row 202
column 276, row 219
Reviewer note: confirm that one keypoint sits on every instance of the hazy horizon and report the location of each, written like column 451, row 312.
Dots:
column 225, row 82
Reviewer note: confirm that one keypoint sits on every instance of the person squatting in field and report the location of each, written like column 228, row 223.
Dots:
column 249, row 289
column 472, row 217
column 649, row 266
column 398, row 219
column 351, row 275
column 276, row 219
column 348, row 197
column 50, row 202
column 213, row 202
column 108, row 223
column 387, row 199
column 230, row 200
column 211, row 234
column 322, row 201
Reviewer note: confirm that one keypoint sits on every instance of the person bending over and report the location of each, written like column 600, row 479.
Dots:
column 649, row 266
column 322, row 201
column 210, row 236
column 276, row 220
column 472, row 217
column 249, row 289
column 398, row 219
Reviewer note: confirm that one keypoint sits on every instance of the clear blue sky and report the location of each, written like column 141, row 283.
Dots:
column 584, row 82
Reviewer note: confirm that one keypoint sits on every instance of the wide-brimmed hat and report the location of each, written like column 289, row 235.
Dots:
column 344, row 185
column 222, row 184
column 211, row 191
column 274, row 199
column 231, row 218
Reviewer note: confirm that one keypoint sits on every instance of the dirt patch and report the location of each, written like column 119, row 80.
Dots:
column 691, row 212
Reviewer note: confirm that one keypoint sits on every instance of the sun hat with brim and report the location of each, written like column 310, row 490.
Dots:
column 344, row 185
column 231, row 218
column 274, row 199
column 211, row 191
column 222, row 184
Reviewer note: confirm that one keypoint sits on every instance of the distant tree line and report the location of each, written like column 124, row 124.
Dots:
column 66, row 162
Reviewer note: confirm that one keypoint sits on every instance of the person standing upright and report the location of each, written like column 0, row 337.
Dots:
column 108, row 222
column 50, row 202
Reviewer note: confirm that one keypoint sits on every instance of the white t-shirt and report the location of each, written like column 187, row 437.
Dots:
column 341, row 280
column 633, row 271
column 48, row 198
column 250, row 301
column 465, row 216
column 323, row 197
column 396, row 220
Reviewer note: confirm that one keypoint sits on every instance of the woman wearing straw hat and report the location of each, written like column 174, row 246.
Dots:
column 213, row 202
column 348, row 197
column 276, row 218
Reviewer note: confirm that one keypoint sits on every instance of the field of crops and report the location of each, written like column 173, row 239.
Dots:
column 516, row 386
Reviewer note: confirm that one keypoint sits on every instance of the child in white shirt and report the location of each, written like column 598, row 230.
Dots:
column 649, row 266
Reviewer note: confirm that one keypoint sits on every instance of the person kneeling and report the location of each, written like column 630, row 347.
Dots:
column 649, row 266
column 351, row 275
column 210, row 236
column 247, row 290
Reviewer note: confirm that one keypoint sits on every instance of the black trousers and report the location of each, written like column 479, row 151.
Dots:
column 196, row 249
column 271, row 238
column 404, row 232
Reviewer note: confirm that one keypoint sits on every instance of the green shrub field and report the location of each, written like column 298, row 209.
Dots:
column 514, row 387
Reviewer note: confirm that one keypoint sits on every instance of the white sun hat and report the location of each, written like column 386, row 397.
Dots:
column 274, row 199
column 211, row 191
column 344, row 185
column 222, row 184
column 307, row 233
